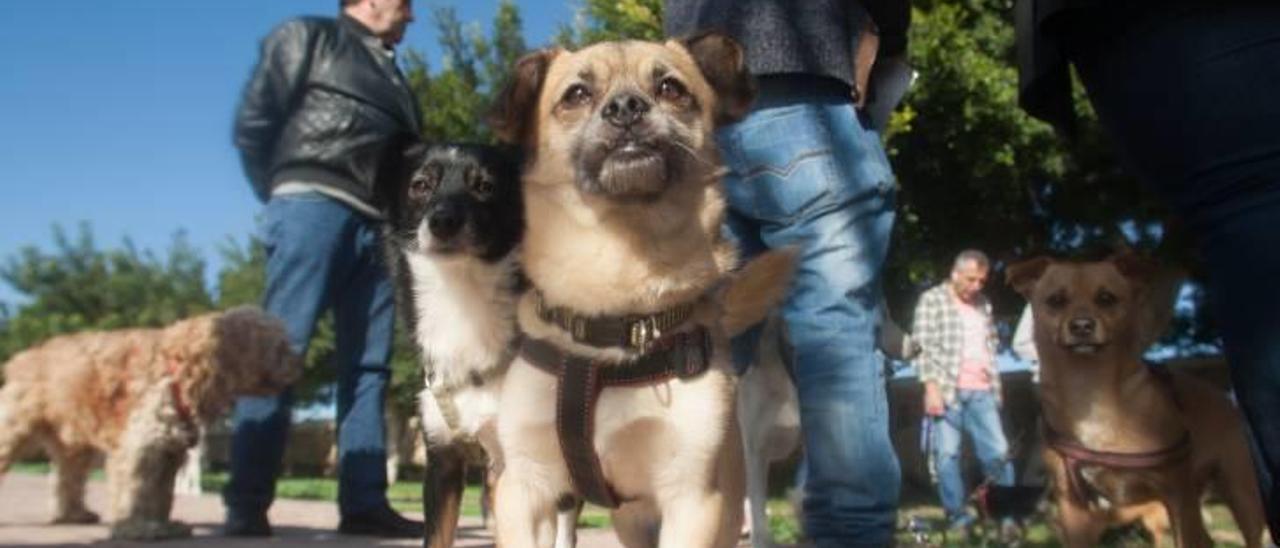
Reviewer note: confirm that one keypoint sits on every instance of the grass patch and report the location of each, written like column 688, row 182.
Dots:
column 1039, row 533
column 40, row 468
column 31, row 468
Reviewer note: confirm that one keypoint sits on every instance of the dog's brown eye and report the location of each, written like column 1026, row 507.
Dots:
column 576, row 95
column 481, row 185
column 670, row 89
column 425, row 181
column 1056, row 301
column 1106, row 298
column 418, row 188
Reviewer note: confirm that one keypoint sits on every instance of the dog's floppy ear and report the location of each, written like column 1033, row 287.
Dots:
column 1157, row 287
column 1022, row 275
column 512, row 116
column 1134, row 266
column 724, row 65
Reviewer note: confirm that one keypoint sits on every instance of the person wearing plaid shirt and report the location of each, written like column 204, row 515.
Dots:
column 957, row 366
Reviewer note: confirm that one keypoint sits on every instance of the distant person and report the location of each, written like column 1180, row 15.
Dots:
column 320, row 108
column 957, row 366
column 1188, row 92
column 808, row 170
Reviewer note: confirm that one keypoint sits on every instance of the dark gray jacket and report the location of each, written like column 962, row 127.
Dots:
column 320, row 107
column 794, row 36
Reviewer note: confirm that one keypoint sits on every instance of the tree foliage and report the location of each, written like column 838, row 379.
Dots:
column 77, row 286
column 455, row 99
column 614, row 20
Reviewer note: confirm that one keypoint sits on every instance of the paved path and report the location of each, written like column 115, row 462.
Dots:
column 25, row 507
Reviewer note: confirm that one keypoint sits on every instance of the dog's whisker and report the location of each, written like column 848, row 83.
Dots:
column 717, row 171
column 694, row 154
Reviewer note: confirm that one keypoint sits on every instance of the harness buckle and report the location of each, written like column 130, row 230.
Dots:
column 640, row 334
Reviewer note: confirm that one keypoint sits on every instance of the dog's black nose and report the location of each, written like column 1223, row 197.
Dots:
column 445, row 221
column 625, row 109
column 1082, row 327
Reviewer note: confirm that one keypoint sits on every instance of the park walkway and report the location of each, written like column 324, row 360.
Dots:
column 25, row 506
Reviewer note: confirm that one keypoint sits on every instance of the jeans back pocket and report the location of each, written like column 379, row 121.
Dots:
column 797, row 160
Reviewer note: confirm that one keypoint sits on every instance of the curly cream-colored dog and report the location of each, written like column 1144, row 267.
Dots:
column 140, row 396
column 623, row 392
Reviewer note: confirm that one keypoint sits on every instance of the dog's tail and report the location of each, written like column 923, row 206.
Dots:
column 758, row 287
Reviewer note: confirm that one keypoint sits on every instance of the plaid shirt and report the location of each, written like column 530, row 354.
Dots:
column 940, row 332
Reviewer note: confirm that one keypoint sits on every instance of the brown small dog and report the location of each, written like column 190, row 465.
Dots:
column 140, row 396
column 624, row 209
column 1126, row 439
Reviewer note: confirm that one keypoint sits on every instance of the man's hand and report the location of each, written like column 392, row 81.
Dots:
column 933, row 404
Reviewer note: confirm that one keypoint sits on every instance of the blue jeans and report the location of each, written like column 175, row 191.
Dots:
column 321, row 254
column 805, row 172
column 975, row 412
column 1188, row 91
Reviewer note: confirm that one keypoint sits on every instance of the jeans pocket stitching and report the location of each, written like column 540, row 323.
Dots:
column 766, row 203
column 791, row 166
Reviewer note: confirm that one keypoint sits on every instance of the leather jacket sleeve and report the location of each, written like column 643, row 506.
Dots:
column 268, row 99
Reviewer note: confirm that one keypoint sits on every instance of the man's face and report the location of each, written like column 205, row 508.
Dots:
column 967, row 279
column 391, row 18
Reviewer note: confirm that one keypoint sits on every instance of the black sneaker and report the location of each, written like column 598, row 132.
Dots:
column 246, row 525
column 381, row 522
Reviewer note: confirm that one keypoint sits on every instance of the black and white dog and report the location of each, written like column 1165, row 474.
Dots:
column 455, row 220
column 452, row 241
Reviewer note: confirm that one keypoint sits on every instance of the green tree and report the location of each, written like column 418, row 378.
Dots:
column 455, row 100
column 614, row 20
column 78, row 286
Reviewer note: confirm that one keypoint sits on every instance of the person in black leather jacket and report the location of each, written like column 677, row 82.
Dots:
column 324, row 102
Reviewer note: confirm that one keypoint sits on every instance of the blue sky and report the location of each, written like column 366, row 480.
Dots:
column 118, row 112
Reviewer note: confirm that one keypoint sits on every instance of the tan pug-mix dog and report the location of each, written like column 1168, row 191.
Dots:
column 1093, row 321
column 624, row 208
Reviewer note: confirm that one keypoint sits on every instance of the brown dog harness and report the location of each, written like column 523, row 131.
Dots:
column 634, row 331
column 579, row 382
column 1076, row 456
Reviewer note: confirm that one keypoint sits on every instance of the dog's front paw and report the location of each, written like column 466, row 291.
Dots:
column 142, row 529
column 76, row 517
